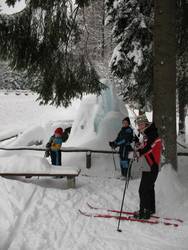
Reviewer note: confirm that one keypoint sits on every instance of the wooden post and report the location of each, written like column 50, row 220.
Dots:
column 71, row 182
column 88, row 159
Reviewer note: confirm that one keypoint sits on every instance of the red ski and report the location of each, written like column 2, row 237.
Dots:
column 131, row 213
column 126, row 218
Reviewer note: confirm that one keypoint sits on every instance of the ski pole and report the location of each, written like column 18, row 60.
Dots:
column 129, row 172
column 114, row 159
column 125, row 188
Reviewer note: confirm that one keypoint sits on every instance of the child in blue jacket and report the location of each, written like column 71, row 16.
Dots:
column 53, row 147
column 123, row 141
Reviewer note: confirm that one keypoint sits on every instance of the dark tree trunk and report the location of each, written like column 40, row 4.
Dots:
column 182, row 29
column 182, row 111
column 164, row 101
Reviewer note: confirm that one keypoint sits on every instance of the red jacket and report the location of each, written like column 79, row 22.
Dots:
column 154, row 154
column 153, row 146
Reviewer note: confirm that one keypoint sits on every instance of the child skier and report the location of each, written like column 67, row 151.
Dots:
column 53, row 147
column 123, row 141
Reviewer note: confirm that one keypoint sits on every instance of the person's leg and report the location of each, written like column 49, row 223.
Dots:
column 58, row 161
column 144, row 191
column 59, row 157
column 124, row 167
column 147, row 192
column 152, row 201
column 154, row 174
column 53, row 158
column 129, row 167
column 144, row 212
column 56, row 158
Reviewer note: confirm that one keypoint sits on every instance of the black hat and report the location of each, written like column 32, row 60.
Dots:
column 127, row 119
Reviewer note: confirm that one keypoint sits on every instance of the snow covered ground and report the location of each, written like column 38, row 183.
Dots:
column 43, row 214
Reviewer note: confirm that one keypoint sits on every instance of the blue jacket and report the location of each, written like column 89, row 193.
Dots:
column 54, row 143
column 124, row 140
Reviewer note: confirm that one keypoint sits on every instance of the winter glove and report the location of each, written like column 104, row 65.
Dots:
column 48, row 145
column 112, row 144
column 47, row 153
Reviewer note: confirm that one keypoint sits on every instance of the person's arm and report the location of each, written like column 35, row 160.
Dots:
column 136, row 139
column 127, row 137
column 147, row 147
column 48, row 148
column 65, row 136
column 49, row 143
column 113, row 144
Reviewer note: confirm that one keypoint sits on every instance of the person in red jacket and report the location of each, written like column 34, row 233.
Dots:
column 149, row 152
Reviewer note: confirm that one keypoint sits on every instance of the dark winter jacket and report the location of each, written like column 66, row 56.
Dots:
column 152, row 146
column 124, row 140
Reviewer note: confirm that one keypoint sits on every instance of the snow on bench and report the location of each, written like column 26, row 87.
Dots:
column 36, row 166
column 55, row 171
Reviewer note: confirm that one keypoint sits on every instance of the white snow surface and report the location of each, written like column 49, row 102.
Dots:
column 38, row 214
column 15, row 163
column 19, row 6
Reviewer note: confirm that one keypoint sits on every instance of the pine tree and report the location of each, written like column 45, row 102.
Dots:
column 131, row 61
column 42, row 39
column 11, row 79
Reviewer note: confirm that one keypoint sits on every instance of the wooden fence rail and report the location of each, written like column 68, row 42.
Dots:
column 88, row 152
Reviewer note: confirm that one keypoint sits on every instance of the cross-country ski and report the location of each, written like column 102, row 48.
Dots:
column 131, row 213
column 127, row 218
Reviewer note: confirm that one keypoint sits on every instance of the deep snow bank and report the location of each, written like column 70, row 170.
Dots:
column 171, row 193
column 30, row 136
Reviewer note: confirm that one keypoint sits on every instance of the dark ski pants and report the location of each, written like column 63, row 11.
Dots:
column 56, row 157
column 146, row 189
column 124, row 164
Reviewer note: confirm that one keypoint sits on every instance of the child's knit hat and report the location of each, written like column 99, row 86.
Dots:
column 59, row 131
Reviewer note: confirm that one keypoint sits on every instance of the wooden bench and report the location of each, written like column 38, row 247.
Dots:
column 70, row 173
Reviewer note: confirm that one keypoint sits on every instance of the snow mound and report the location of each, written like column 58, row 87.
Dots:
column 168, row 180
column 83, row 127
column 31, row 136
column 15, row 163
column 108, row 129
column 98, row 120
column 170, row 192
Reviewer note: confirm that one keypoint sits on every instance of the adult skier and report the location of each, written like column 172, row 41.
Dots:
column 149, row 152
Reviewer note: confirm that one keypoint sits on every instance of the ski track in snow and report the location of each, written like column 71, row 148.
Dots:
column 50, row 220
column 20, row 221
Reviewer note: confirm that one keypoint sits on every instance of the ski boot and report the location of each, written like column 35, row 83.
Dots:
column 142, row 214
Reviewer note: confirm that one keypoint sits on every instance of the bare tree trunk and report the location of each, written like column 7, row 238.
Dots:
column 164, row 102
